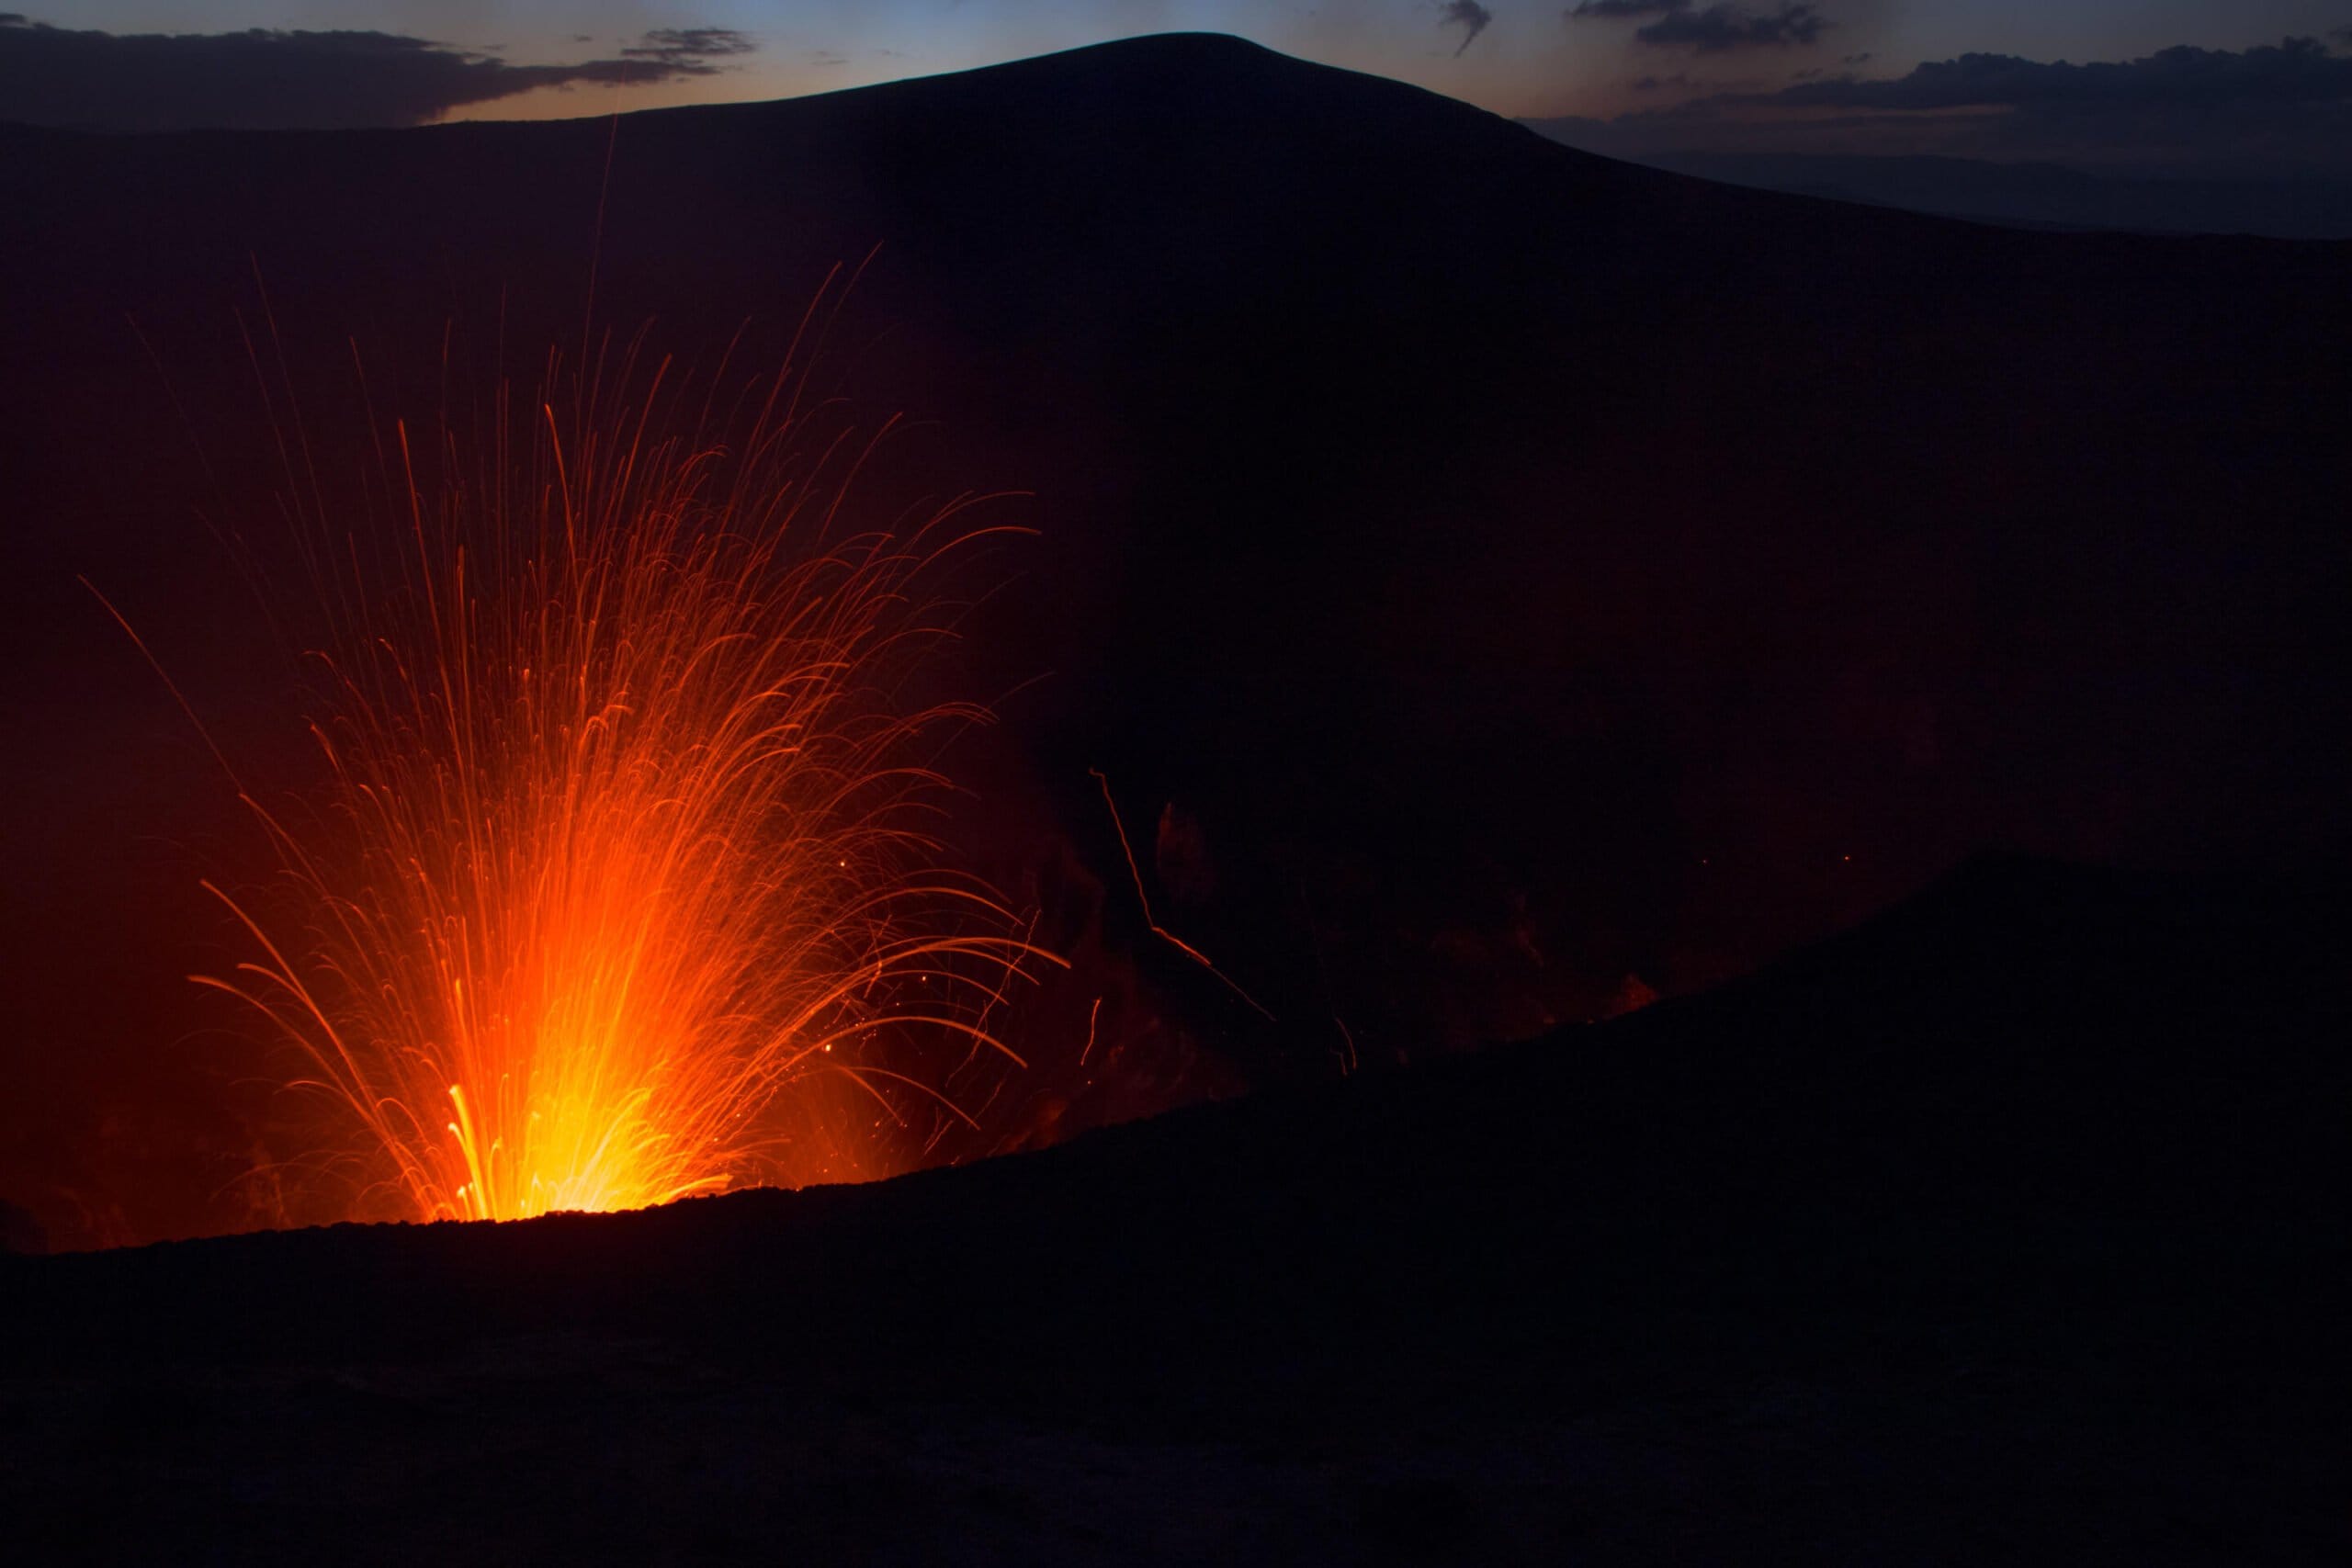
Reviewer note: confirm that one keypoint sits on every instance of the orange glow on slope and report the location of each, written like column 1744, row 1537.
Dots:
column 622, row 846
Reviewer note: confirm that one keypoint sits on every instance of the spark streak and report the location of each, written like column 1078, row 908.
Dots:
column 1162, row 932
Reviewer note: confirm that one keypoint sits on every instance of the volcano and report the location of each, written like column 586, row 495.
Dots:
column 1507, row 572
column 1478, row 588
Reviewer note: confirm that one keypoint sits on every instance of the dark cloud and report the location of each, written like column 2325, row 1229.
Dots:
column 2296, row 70
column 685, row 49
column 1712, row 29
column 1861, row 59
column 2276, row 111
column 1727, row 27
column 265, row 79
column 1467, row 15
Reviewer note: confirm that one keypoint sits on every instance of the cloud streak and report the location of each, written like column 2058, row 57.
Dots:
column 265, row 79
column 1467, row 15
column 1719, row 28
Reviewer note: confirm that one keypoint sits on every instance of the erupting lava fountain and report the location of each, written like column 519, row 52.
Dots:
column 624, row 844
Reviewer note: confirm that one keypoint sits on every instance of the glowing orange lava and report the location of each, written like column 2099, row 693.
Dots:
column 625, row 839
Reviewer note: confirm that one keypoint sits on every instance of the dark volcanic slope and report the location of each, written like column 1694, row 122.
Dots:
column 2006, row 1224
column 1527, row 569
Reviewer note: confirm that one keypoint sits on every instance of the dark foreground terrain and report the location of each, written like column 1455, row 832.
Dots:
column 2005, row 1227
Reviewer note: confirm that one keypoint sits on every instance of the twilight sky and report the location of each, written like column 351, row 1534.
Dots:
column 2184, row 83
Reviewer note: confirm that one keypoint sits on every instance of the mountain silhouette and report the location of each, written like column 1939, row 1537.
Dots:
column 1524, row 571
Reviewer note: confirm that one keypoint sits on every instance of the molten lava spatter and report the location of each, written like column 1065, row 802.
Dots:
column 624, row 839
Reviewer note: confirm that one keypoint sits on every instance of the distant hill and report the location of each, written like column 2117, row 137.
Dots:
column 2031, row 196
